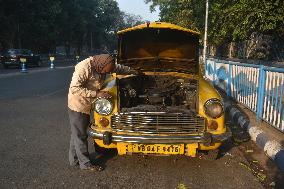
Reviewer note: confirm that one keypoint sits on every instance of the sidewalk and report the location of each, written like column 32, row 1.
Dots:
column 268, row 138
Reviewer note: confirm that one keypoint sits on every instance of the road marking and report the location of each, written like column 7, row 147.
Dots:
column 33, row 71
column 53, row 93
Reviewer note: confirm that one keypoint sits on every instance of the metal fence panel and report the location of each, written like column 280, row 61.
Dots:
column 273, row 99
column 209, row 69
column 259, row 88
column 244, row 85
column 222, row 75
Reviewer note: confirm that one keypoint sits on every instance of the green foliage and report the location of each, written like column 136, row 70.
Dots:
column 131, row 20
column 229, row 20
column 43, row 25
column 237, row 20
column 24, row 20
column 185, row 13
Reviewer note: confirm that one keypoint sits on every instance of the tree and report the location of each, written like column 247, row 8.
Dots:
column 237, row 20
column 43, row 25
column 186, row 13
column 228, row 20
column 131, row 20
column 24, row 23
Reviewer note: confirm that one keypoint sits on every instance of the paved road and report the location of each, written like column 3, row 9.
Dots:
column 34, row 140
column 45, row 64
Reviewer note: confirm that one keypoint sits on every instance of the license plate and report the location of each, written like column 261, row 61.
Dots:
column 155, row 148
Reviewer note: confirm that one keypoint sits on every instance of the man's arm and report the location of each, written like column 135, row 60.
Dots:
column 79, row 79
column 123, row 70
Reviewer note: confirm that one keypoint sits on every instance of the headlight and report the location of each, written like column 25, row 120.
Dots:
column 103, row 106
column 213, row 108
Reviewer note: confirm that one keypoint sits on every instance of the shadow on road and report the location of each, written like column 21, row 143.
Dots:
column 103, row 157
column 239, row 135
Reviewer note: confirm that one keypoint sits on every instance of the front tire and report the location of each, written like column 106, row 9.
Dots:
column 101, row 150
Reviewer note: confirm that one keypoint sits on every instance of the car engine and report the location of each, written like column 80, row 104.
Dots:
column 157, row 93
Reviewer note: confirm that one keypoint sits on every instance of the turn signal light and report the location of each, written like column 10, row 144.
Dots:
column 104, row 122
column 212, row 125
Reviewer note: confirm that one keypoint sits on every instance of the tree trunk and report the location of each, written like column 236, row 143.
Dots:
column 19, row 36
column 231, row 50
column 67, row 48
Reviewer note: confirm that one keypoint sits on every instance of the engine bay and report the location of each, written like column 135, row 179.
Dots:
column 141, row 93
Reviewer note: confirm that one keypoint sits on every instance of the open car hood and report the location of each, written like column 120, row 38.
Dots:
column 162, row 49
column 162, row 64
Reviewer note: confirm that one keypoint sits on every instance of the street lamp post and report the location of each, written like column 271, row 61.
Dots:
column 205, row 33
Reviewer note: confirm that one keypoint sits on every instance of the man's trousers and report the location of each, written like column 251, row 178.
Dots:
column 78, row 152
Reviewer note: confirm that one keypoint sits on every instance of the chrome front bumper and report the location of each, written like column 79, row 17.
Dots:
column 206, row 138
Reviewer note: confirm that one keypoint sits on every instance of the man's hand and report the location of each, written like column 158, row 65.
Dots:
column 103, row 94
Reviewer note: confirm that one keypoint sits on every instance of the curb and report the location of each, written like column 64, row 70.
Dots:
column 272, row 148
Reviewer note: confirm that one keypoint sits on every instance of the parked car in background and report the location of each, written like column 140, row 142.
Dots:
column 170, row 108
column 1, row 56
column 11, row 57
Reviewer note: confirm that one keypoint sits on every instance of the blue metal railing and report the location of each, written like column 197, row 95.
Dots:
column 258, row 87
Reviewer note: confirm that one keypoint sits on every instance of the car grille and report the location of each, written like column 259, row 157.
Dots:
column 158, row 123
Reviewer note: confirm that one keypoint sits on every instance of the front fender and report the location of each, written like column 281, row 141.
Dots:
column 206, row 92
column 110, row 85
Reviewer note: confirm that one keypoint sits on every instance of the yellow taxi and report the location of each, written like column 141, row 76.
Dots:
column 169, row 109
